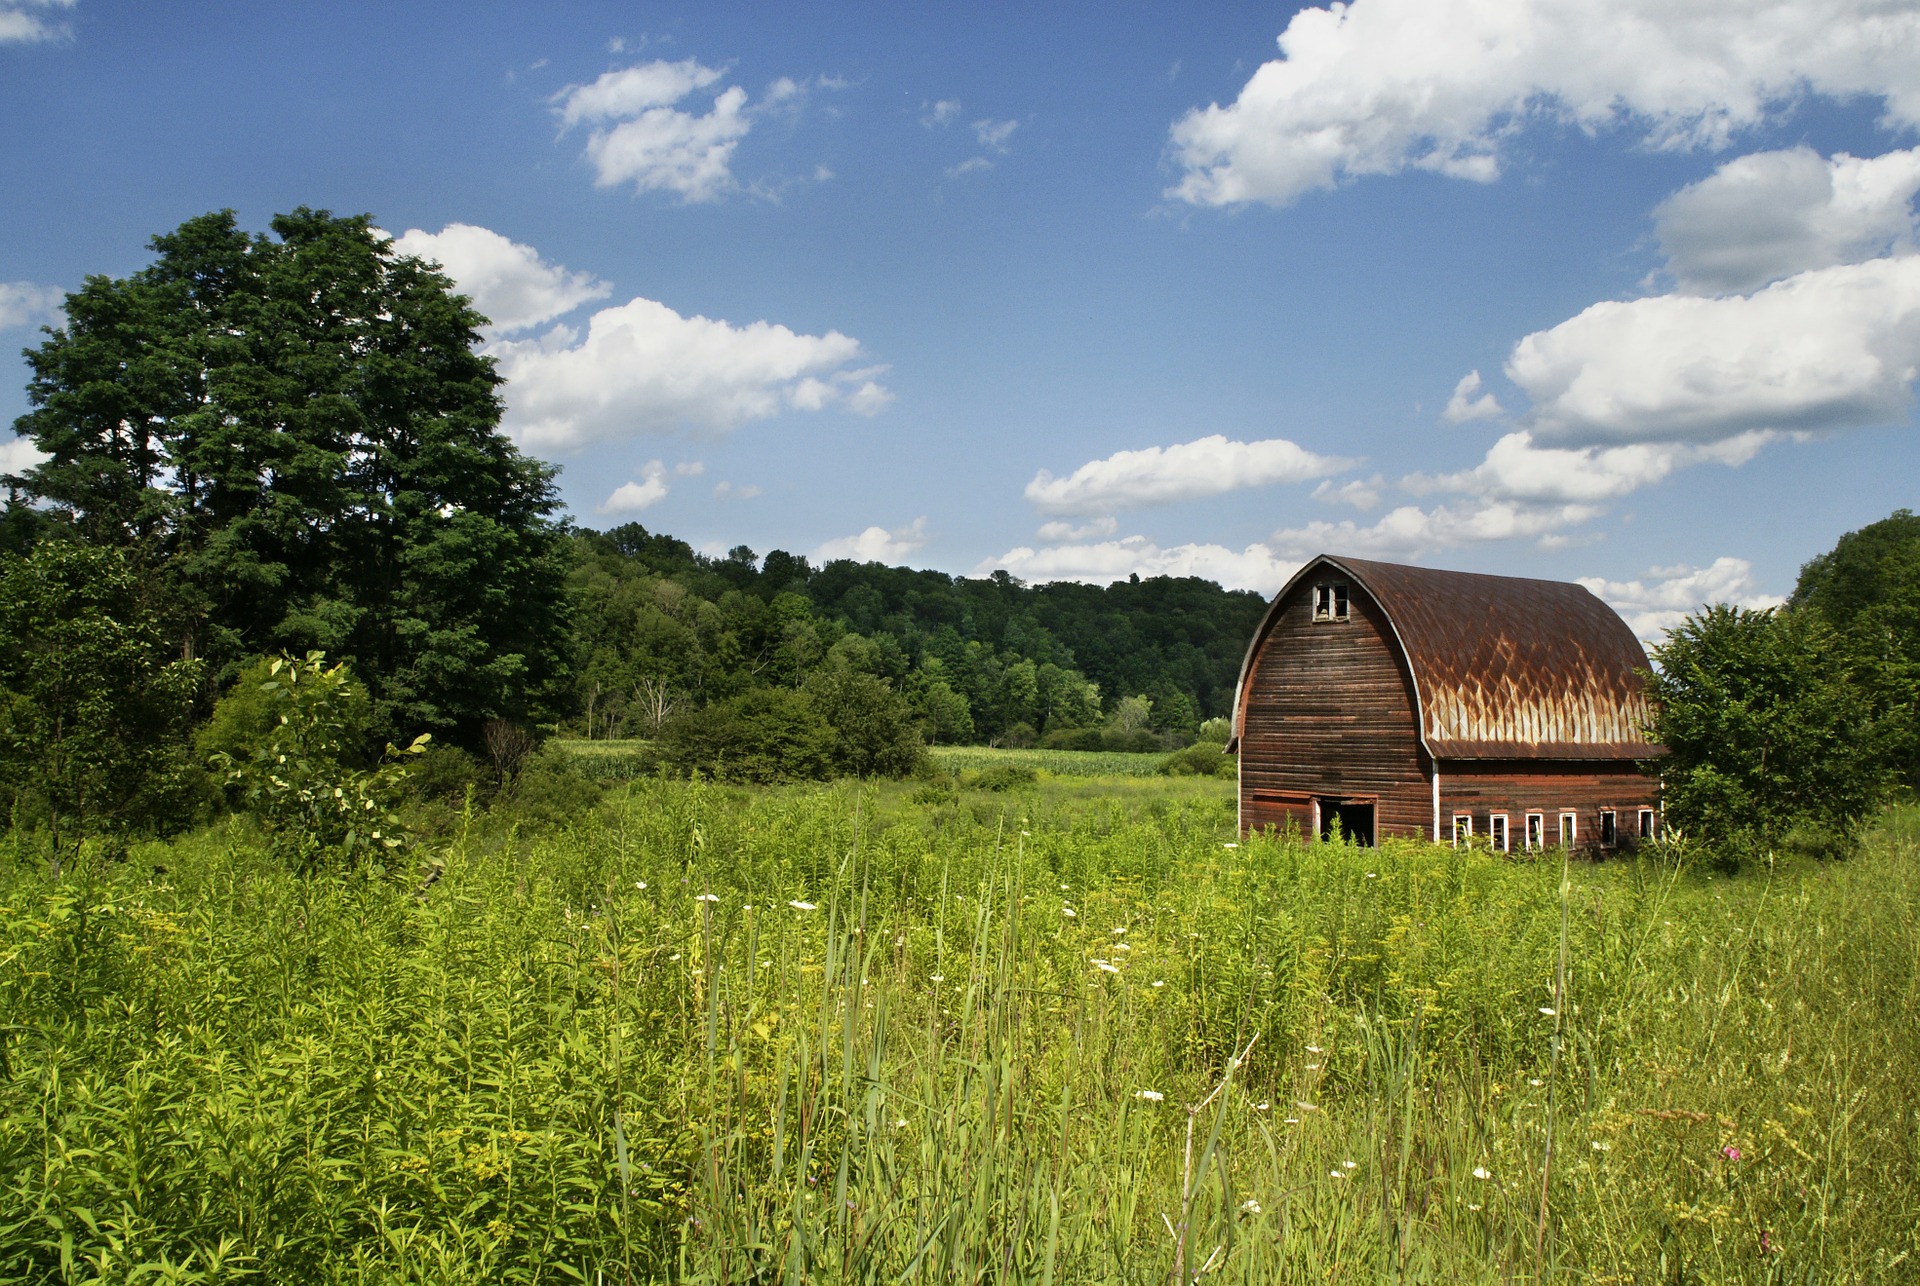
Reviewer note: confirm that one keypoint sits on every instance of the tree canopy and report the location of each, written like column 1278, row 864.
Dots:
column 298, row 438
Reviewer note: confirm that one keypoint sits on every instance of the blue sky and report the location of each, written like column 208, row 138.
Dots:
column 1619, row 290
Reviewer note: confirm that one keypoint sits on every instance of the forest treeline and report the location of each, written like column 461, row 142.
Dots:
column 287, row 445
column 658, row 627
column 275, row 528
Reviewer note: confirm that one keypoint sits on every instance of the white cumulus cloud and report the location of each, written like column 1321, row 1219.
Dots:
column 876, row 544
column 1769, row 215
column 1517, row 469
column 1380, row 86
column 22, row 303
column 1470, row 402
column 1255, row 567
column 631, row 497
column 1652, row 607
column 17, row 455
column 640, row 137
column 933, row 115
column 1361, row 493
column 644, row 368
column 1055, row 533
column 1827, row 349
column 1410, row 530
column 507, row 281
column 1208, row 466
column 24, row 22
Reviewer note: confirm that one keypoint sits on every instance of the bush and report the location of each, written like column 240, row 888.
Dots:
column 875, row 732
column 1004, row 777
column 762, row 735
column 1201, row 759
column 296, row 779
column 551, row 788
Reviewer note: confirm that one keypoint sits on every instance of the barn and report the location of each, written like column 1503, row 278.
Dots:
column 1385, row 700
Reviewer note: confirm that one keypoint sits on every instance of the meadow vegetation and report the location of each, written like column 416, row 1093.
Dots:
column 1071, row 1031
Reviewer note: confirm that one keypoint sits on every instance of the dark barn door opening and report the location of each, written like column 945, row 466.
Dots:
column 1347, row 819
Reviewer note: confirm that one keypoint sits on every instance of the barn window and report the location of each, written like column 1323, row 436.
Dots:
column 1330, row 602
column 1609, row 828
column 1497, row 832
column 1569, row 824
column 1462, row 829
column 1646, row 823
column 1536, row 831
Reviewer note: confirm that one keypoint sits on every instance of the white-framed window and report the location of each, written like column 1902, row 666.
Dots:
column 1497, row 833
column 1462, row 829
column 1536, row 832
column 1609, row 828
column 1646, row 823
column 1330, row 601
column 1569, row 829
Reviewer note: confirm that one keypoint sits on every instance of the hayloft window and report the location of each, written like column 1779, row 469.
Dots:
column 1569, row 827
column 1497, row 832
column 1536, row 832
column 1609, row 828
column 1330, row 602
column 1462, row 829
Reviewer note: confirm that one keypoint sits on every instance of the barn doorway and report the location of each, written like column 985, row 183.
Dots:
column 1348, row 819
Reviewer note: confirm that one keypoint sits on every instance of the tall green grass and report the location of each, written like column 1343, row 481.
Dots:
column 1060, row 763
column 827, row 1035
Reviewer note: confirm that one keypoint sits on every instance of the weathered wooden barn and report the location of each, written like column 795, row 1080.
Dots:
column 1389, row 700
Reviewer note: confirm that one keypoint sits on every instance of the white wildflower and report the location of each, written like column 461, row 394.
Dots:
column 1350, row 1165
column 1229, row 844
column 1304, row 1106
column 939, row 977
column 1598, row 1146
column 1251, row 1206
column 1293, row 1120
column 706, row 897
column 1151, row 1096
column 1535, row 1081
column 1069, row 912
column 1315, row 1049
column 1313, row 1067
column 1261, row 1106
column 1547, row 1010
column 1336, row 1174
column 802, row 906
column 1159, row 982
column 641, row 885
column 1106, row 967
column 1481, row 1172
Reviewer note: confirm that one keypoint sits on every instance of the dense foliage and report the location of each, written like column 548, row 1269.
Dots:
column 295, row 438
column 92, row 707
column 1800, row 718
column 660, row 629
column 832, row 1036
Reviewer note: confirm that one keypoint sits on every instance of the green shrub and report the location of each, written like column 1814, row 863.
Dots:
column 1201, row 759
column 1004, row 777
column 762, row 735
column 298, row 780
column 551, row 788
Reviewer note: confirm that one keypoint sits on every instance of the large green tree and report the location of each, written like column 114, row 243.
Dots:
column 1766, row 725
column 1867, row 587
column 297, row 436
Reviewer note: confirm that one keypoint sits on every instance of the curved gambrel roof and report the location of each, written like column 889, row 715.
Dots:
column 1503, row 667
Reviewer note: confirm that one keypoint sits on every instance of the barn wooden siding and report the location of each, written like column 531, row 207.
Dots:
column 1330, row 712
column 1482, row 788
column 1524, row 694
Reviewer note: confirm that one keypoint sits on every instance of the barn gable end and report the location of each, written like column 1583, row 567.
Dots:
column 1392, row 699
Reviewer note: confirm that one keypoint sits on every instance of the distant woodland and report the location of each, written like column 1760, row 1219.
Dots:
column 275, row 525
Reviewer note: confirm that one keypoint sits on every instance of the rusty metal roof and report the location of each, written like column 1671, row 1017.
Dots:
column 1504, row 667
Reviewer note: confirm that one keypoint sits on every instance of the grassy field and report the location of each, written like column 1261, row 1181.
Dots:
column 1065, row 1034
column 619, row 760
